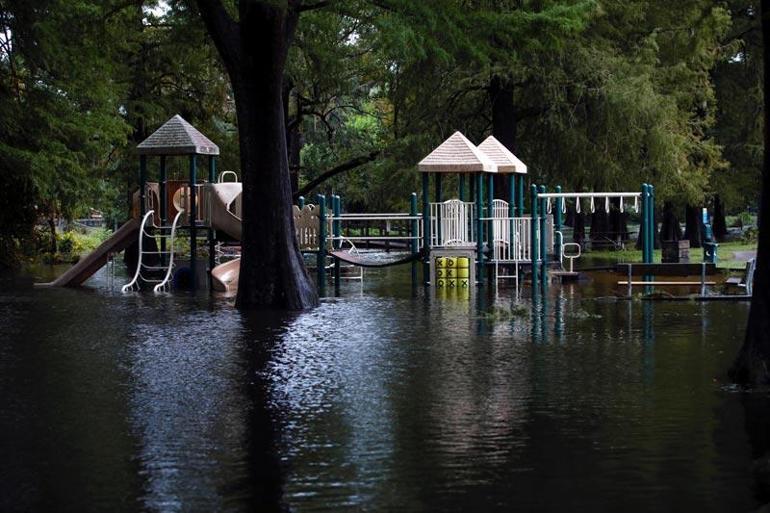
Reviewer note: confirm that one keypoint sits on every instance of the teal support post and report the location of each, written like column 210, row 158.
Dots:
column 212, row 241
column 512, row 196
column 321, row 255
column 557, row 222
column 301, row 202
column 142, row 185
column 193, row 217
column 652, row 225
column 472, row 187
column 336, row 229
column 520, row 202
column 439, row 197
column 479, row 228
column 643, row 223
column 534, row 242
column 163, row 206
column 490, row 213
column 426, row 228
column 461, row 187
column 413, row 233
column 543, row 238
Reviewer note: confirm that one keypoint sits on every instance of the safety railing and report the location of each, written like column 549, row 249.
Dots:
column 451, row 223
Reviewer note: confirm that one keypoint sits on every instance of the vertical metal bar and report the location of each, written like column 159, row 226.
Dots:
column 426, row 228
column 321, row 255
column 479, row 229
column 212, row 239
column 301, row 202
column 512, row 196
column 490, row 214
column 413, row 227
column 336, row 224
column 557, row 220
column 703, row 278
column 520, row 202
column 193, row 216
column 543, row 238
column 534, row 243
column 461, row 187
column 142, row 185
column 653, row 227
column 437, row 179
column 163, row 206
column 643, row 225
column 630, row 275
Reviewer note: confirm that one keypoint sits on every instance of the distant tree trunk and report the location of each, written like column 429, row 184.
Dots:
column 719, row 224
column 693, row 221
column 600, row 228
column 569, row 218
column 618, row 223
column 254, row 51
column 54, row 247
column 752, row 366
column 670, row 228
column 503, row 125
column 579, row 228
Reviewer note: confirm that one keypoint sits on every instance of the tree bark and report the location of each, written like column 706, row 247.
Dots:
column 579, row 228
column 254, row 51
column 670, row 228
column 719, row 223
column 600, row 228
column 693, row 223
column 752, row 365
column 54, row 247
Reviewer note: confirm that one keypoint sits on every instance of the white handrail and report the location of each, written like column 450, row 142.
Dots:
column 162, row 285
column 130, row 285
column 223, row 174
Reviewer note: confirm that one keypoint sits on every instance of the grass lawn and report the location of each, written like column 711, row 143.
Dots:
column 726, row 257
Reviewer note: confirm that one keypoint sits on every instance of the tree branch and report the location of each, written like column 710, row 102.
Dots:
column 345, row 166
column 318, row 5
column 224, row 30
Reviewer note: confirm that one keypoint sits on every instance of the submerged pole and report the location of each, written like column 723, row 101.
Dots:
column 543, row 238
column 491, row 215
column 336, row 229
column 212, row 241
column 413, row 233
column 520, row 201
column 321, row 255
column 426, row 228
column 479, row 229
column 534, row 242
column 557, row 221
column 193, row 217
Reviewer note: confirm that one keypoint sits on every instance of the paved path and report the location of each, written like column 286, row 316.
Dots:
column 744, row 256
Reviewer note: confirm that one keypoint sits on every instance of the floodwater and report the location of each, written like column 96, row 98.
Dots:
column 385, row 398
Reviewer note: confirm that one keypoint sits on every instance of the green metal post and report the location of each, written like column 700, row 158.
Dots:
column 336, row 229
column 426, row 228
column 212, row 241
column 439, row 197
column 490, row 213
column 163, row 206
column 557, row 220
column 321, row 255
column 461, row 187
column 142, row 185
column 543, row 238
column 301, row 202
column 193, row 216
column 472, row 187
column 534, row 242
column 512, row 196
column 413, row 232
column 520, row 202
column 479, row 229
column 652, row 224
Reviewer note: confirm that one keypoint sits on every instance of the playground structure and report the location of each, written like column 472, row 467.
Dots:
column 493, row 238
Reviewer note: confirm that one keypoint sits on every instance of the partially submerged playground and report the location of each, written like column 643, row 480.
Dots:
column 185, row 232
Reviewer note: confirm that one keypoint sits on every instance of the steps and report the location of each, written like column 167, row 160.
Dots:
column 155, row 266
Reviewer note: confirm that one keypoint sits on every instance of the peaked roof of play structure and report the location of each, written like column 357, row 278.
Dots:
column 177, row 137
column 506, row 161
column 457, row 155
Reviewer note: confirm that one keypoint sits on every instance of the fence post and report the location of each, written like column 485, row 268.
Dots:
column 533, row 239
column 321, row 255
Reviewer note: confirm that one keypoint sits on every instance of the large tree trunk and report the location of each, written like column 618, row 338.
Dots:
column 579, row 228
column 503, row 125
column 254, row 50
column 670, row 228
column 601, row 237
column 719, row 224
column 752, row 366
column 693, row 226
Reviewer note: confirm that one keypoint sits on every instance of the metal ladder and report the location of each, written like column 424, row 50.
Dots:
column 165, row 232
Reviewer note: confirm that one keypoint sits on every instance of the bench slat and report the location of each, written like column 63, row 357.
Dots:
column 668, row 283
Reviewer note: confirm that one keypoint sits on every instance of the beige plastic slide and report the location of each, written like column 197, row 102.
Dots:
column 94, row 261
column 224, row 277
column 224, row 217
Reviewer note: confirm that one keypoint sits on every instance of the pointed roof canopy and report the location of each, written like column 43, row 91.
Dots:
column 177, row 137
column 506, row 161
column 457, row 155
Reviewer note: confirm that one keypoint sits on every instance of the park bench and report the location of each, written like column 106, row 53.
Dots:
column 747, row 280
column 673, row 269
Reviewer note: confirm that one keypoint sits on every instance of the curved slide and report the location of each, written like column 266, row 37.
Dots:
column 95, row 260
column 224, row 277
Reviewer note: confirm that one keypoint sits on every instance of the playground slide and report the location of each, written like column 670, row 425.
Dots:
column 92, row 262
column 224, row 277
column 222, row 218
